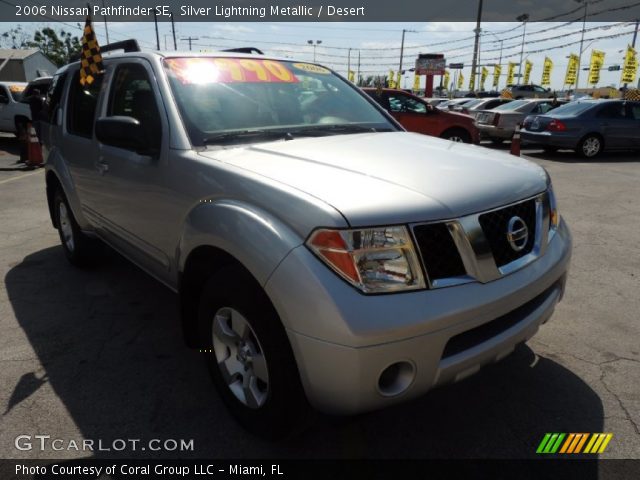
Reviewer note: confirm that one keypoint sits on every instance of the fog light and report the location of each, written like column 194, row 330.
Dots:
column 396, row 378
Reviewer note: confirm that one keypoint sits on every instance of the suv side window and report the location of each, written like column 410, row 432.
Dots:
column 132, row 96
column 402, row 103
column 83, row 100
column 54, row 95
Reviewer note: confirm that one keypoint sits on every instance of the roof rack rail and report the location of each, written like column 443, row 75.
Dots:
column 126, row 45
column 244, row 50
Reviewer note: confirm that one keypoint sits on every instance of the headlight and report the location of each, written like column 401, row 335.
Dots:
column 375, row 260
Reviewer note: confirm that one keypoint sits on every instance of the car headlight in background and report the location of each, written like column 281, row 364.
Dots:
column 375, row 260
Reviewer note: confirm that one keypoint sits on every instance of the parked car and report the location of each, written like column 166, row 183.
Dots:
column 449, row 104
column 434, row 102
column 13, row 113
column 589, row 127
column 321, row 253
column 500, row 123
column 416, row 115
column 40, row 83
column 480, row 104
column 482, row 94
column 528, row 91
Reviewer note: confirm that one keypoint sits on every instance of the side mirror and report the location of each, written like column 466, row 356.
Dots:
column 123, row 132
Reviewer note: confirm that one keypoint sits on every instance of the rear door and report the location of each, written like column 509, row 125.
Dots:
column 615, row 125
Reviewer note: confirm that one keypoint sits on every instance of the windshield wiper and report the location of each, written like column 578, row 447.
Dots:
column 244, row 135
column 336, row 129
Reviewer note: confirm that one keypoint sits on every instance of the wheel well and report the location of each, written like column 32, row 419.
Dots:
column 52, row 185
column 456, row 129
column 201, row 264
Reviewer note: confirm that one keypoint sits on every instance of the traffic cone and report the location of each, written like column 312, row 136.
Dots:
column 34, row 150
column 515, row 142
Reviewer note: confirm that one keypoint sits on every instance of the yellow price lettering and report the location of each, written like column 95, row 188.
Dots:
column 255, row 67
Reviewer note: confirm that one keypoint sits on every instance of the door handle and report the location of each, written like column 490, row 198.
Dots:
column 102, row 167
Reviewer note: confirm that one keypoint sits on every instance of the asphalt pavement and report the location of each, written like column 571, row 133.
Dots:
column 97, row 354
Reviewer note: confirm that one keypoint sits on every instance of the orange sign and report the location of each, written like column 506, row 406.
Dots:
column 202, row 70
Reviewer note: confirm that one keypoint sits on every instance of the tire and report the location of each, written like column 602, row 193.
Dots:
column 457, row 135
column 79, row 249
column 590, row 146
column 237, row 324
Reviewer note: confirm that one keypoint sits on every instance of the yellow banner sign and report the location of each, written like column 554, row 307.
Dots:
column 630, row 66
column 527, row 71
column 445, row 82
column 497, row 70
column 416, row 83
column 510, row 73
column 352, row 76
column 460, row 81
column 399, row 81
column 392, row 79
column 572, row 70
column 546, row 72
column 597, row 61
column 472, row 81
column 483, row 77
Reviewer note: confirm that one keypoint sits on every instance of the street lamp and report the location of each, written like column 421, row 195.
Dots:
column 522, row 18
column 402, row 51
column 314, row 44
column 584, row 21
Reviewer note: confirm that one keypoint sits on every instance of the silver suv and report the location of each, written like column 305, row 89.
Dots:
column 322, row 255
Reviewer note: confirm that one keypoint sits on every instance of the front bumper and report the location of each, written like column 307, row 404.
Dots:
column 343, row 340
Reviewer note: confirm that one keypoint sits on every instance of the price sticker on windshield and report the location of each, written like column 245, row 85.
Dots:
column 198, row 70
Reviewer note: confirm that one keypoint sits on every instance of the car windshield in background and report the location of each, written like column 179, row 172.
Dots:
column 573, row 108
column 511, row 105
column 473, row 103
column 236, row 100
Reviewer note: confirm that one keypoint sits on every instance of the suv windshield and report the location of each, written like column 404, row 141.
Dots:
column 236, row 100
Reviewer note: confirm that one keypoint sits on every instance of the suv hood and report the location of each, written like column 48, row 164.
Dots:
column 391, row 178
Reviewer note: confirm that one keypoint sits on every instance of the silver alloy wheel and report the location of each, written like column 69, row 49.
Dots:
column 65, row 226
column 240, row 357
column 591, row 146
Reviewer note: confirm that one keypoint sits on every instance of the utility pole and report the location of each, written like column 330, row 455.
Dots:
column 155, row 20
column 584, row 21
column 348, row 63
column 106, row 27
column 189, row 39
column 402, row 51
column 476, row 46
column 173, row 30
column 358, row 66
column 522, row 18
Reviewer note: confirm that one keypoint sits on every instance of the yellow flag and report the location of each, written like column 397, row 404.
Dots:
column 527, row 71
column 91, row 58
column 472, row 81
column 460, row 80
column 416, row 83
column 572, row 70
column 399, row 81
column 445, row 82
column 597, row 61
column 546, row 72
column 630, row 66
column 497, row 70
column 352, row 76
column 483, row 77
column 392, row 79
column 510, row 73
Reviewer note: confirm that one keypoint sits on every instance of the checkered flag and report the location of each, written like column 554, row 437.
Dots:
column 91, row 59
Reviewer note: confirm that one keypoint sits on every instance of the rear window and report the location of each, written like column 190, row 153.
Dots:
column 512, row 105
column 572, row 109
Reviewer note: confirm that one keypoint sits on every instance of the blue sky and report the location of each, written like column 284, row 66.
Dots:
column 379, row 43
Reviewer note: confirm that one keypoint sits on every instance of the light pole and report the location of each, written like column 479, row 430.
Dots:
column 633, row 45
column 522, row 18
column 476, row 46
column 314, row 44
column 402, row 51
column 584, row 21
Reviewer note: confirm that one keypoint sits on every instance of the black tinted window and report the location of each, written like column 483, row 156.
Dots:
column 612, row 110
column 132, row 96
column 83, row 100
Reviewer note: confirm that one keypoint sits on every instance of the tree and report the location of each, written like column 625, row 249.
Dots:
column 58, row 46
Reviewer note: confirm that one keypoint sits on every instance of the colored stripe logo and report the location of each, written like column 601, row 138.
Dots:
column 568, row 443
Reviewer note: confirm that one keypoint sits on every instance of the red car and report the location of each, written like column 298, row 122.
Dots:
column 416, row 115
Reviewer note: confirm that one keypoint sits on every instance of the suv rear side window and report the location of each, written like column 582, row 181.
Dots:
column 132, row 96
column 83, row 100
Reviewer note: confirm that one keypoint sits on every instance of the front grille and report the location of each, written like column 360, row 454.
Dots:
column 471, row 338
column 495, row 225
column 439, row 253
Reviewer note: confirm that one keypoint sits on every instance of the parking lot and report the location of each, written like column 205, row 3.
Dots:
column 97, row 354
